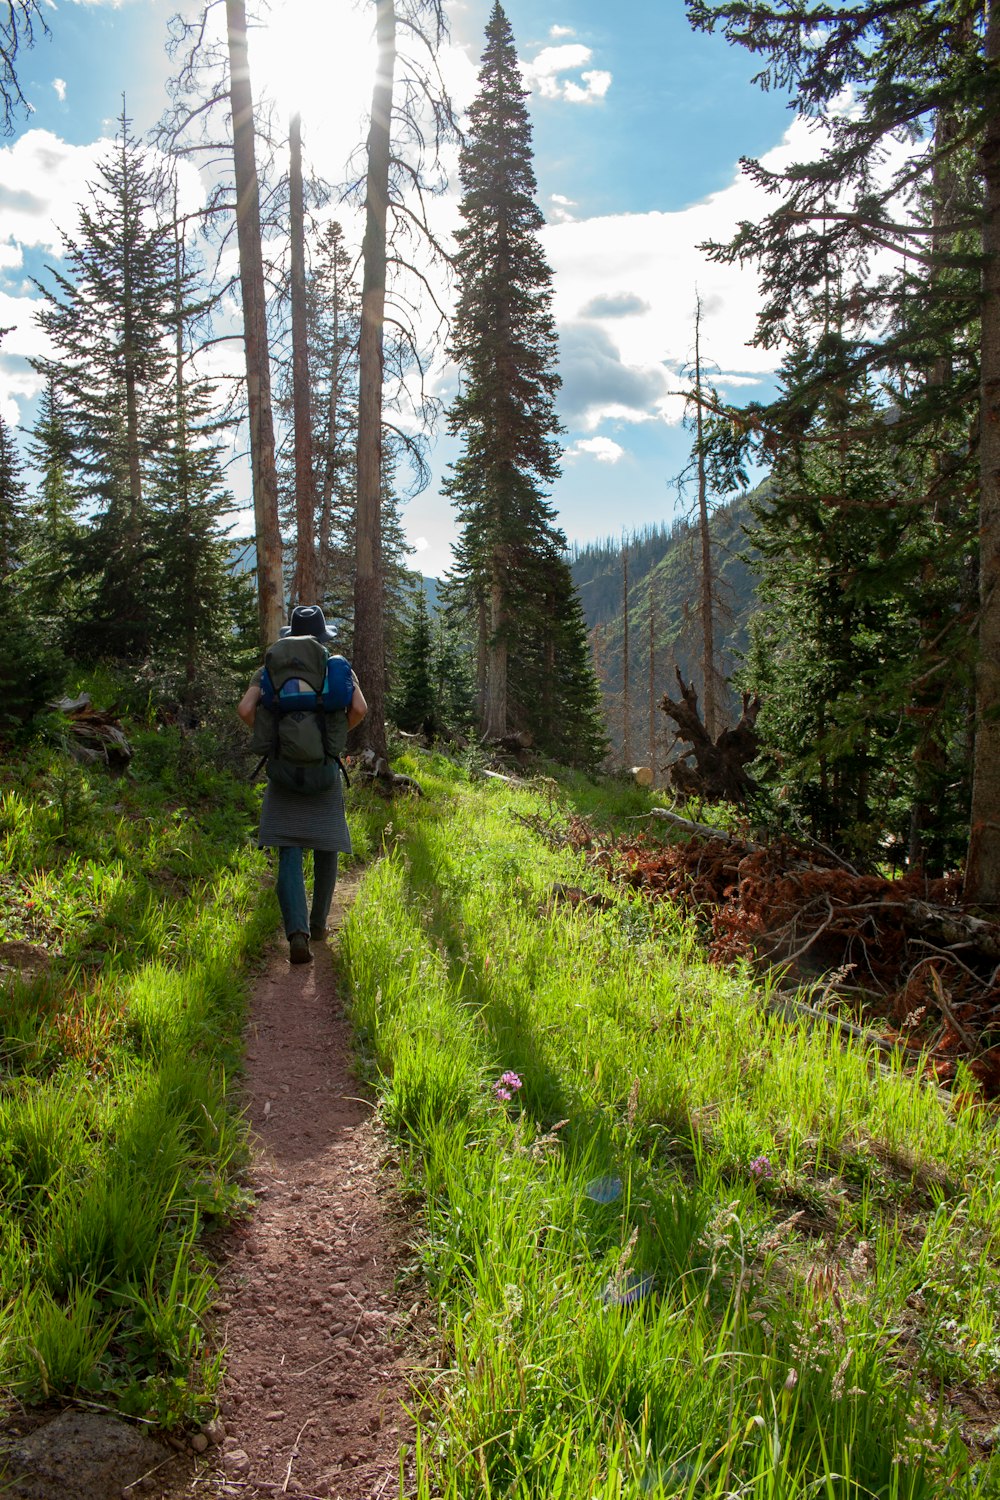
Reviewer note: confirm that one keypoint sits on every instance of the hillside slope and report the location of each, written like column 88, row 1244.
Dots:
column 662, row 568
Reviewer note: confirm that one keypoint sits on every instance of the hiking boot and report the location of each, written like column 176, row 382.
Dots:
column 298, row 949
column 318, row 934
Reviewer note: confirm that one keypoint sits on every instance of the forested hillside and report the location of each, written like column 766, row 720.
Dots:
column 661, row 568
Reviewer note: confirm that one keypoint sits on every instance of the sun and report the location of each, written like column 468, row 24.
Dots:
column 317, row 58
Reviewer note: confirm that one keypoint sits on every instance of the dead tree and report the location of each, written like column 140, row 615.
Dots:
column 305, row 590
column 270, row 587
column 719, row 771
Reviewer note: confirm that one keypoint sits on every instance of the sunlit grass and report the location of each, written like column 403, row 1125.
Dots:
column 144, row 902
column 699, row 1252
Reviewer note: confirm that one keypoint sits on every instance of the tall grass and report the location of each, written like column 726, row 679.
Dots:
column 118, row 1144
column 697, row 1252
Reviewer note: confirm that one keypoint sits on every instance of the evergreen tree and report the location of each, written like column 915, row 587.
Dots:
column 108, row 316
column 191, row 600
column 332, row 321
column 414, row 702
column 919, row 325
column 509, row 556
column 334, row 304
column 555, row 691
column 841, row 553
column 52, row 543
column 453, row 668
column 31, row 667
column 12, row 505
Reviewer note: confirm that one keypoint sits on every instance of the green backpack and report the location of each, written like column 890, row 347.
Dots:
column 300, row 730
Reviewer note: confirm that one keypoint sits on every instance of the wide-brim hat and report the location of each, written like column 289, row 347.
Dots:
column 308, row 619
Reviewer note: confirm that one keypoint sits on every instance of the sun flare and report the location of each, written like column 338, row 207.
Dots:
column 317, row 58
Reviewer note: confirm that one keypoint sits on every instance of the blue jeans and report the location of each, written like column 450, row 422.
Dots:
column 291, row 887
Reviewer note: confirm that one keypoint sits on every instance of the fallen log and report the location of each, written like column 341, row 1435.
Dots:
column 700, row 830
column 955, row 928
column 515, row 743
column 376, row 771
column 95, row 735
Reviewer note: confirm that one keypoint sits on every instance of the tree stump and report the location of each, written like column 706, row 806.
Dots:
column 719, row 771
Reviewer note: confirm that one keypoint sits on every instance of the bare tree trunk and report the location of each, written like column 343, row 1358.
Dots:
column 982, row 873
column 369, row 583
column 652, row 678
column 495, row 720
column 482, row 642
column 929, row 757
column 270, row 589
column 708, row 676
column 304, row 590
column 626, row 704
column 181, row 447
column 325, row 505
column 132, row 446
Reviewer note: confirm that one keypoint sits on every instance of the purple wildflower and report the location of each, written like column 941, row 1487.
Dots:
column 500, row 1092
column 761, row 1167
column 510, row 1081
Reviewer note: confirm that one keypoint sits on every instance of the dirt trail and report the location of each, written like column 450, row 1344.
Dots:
column 316, row 1372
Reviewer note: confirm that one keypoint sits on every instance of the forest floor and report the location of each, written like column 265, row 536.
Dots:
column 317, row 1369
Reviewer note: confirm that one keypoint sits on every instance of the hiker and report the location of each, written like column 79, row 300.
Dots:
column 291, row 819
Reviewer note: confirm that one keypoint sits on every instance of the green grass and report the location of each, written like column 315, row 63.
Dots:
column 698, row 1252
column 809, row 1236
column 118, row 1138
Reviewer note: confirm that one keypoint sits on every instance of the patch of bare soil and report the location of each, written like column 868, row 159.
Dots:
column 316, row 1377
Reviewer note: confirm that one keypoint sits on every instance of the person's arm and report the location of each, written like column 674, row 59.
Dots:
column 357, row 709
column 247, row 706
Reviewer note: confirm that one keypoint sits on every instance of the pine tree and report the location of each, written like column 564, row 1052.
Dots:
column 841, row 551
column 52, row 543
column 555, row 692
column 31, row 666
column 453, row 669
column 332, row 321
column 414, row 701
column 12, row 505
column 108, row 316
column 335, row 320
column 510, row 552
column 191, row 598
column 923, row 325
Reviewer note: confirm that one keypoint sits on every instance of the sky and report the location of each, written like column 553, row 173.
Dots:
column 638, row 127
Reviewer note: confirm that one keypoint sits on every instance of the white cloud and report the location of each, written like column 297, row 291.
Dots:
column 556, row 32
column 561, row 209
column 597, row 84
column 59, row 84
column 42, row 179
column 624, row 297
column 420, row 544
column 605, row 450
column 542, row 73
column 597, row 384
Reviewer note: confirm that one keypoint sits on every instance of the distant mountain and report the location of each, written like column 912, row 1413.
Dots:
column 431, row 590
column 662, row 566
